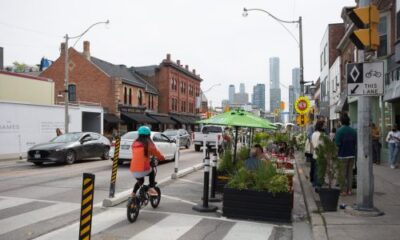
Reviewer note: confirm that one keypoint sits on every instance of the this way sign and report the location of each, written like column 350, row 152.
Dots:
column 365, row 79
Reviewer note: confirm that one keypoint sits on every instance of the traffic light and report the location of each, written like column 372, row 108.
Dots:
column 366, row 20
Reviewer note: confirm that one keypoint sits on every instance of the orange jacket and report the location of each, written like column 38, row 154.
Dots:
column 139, row 162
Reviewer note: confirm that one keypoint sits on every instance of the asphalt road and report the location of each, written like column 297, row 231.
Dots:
column 37, row 199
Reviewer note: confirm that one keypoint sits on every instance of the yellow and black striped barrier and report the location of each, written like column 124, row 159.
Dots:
column 115, row 167
column 85, row 225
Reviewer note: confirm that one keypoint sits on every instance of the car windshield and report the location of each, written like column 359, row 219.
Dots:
column 68, row 137
column 171, row 133
column 211, row 129
column 130, row 135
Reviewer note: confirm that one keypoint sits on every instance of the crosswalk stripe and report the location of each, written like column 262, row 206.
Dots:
column 249, row 230
column 100, row 222
column 22, row 220
column 170, row 228
column 12, row 202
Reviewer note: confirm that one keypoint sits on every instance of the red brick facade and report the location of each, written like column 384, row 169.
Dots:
column 93, row 85
column 178, row 87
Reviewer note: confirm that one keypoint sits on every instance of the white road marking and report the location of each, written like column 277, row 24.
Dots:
column 25, row 219
column 170, row 228
column 100, row 222
column 249, row 230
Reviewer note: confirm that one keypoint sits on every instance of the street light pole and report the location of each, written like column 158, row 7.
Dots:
column 66, row 73
column 299, row 42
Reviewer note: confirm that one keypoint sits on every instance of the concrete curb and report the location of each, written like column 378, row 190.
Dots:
column 318, row 225
column 123, row 196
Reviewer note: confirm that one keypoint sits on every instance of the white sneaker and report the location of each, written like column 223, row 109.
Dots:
column 392, row 166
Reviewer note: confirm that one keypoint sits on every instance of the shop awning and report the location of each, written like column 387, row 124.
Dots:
column 138, row 118
column 180, row 119
column 162, row 118
column 111, row 118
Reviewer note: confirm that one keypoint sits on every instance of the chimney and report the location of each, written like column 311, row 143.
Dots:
column 62, row 48
column 168, row 57
column 187, row 67
column 86, row 49
column 194, row 71
column 178, row 62
column 1, row 59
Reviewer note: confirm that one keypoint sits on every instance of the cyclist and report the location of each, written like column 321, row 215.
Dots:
column 142, row 149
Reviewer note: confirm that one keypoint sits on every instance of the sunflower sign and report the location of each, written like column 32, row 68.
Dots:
column 302, row 105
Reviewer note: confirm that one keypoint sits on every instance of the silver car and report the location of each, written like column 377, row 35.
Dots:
column 165, row 145
column 184, row 137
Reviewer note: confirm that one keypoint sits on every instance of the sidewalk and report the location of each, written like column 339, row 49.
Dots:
column 341, row 225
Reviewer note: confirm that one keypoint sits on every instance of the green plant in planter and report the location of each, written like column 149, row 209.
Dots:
column 264, row 178
column 261, row 138
column 226, row 163
column 243, row 154
column 281, row 137
column 327, row 161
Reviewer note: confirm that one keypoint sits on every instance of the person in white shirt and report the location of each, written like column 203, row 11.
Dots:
column 393, row 139
column 315, row 142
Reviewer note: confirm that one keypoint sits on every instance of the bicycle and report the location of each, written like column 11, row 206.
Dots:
column 143, row 198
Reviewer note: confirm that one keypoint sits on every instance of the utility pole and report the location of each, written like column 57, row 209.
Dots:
column 301, row 57
column 66, row 93
column 365, row 178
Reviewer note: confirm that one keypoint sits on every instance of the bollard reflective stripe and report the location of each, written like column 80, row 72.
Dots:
column 85, row 224
column 115, row 167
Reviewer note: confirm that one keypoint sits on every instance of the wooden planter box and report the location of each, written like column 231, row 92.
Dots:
column 249, row 204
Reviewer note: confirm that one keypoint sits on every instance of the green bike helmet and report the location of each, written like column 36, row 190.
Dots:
column 144, row 130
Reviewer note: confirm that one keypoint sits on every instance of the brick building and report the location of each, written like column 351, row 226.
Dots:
column 122, row 93
column 178, row 89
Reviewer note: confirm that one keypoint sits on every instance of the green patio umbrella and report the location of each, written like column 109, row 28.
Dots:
column 238, row 118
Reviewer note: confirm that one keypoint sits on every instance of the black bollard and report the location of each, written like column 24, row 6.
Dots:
column 214, row 178
column 205, row 207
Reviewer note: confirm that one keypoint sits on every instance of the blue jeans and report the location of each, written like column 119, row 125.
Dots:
column 393, row 153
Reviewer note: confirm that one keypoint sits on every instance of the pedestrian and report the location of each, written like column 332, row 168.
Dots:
column 393, row 139
column 58, row 132
column 315, row 142
column 332, row 134
column 376, row 144
column 346, row 140
column 260, row 153
column 252, row 163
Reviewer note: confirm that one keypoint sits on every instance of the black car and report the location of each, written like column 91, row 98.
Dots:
column 69, row 147
column 184, row 137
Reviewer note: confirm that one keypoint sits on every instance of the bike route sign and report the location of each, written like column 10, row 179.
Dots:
column 365, row 79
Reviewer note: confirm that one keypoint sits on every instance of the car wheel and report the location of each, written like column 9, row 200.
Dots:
column 106, row 153
column 197, row 148
column 38, row 163
column 70, row 157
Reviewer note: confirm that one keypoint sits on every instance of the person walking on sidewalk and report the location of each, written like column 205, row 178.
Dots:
column 376, row 144
column 393, row 139
column 346, row 140
column 315, row 142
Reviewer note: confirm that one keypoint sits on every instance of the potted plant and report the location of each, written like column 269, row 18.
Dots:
column 227, row 167
column 327, row 167
column 260, row 195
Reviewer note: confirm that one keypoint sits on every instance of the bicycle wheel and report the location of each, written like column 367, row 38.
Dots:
column 132, row 209
column 156, row 200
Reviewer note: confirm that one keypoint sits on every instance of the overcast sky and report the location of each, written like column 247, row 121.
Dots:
column 211, row 36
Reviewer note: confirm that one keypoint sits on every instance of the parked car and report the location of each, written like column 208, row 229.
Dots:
column 212, row 132
column 164, row 144
column 184, row 137
column 69, row 147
